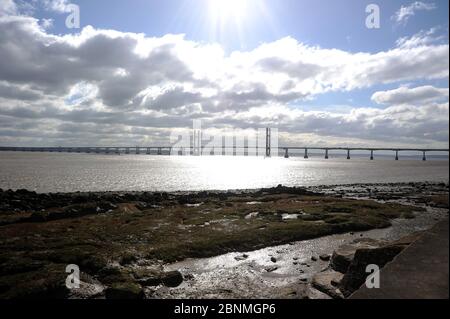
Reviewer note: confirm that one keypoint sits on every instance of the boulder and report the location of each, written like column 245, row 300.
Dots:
column 148, row 277
column 343, row 256
column 328, row 282
column 125, row 290
column 356, row 274
column 172, row 278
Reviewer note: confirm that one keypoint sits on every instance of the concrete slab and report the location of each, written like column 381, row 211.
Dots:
column 418, row 272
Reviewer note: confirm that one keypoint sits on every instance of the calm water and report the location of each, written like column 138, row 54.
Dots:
column 60, row 172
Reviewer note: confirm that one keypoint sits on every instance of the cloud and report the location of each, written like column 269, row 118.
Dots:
column 124, row 65
column 60, row 6
column 415, row 96
column 17, row 92
column 422, row 38
column 406, row 12
column 8, row 7
column 128, row 88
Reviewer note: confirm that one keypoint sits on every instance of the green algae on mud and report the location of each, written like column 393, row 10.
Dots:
column 166, row 228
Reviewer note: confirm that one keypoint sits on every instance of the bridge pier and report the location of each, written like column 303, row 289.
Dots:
column 424, row 158
column 348, row 154
column 148, row 151
column 137, row 150
column 306, row 154
column 371, row 155
column 127, row 150
column 286, row 153
column 159, row 151
column 396, row 155
column 326, row 153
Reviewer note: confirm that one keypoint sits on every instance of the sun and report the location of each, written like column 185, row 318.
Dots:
column 223, row 10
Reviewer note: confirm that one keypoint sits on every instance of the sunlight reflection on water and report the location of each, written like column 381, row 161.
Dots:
column 51, row 172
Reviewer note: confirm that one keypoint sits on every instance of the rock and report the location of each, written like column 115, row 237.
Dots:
column 273, row 259
column 313, row 293
column 356, row 274
column 242, row 257
column 325, row 257
column 89, row 288
column 172, row 279
column 314, row 258
column 343, row 256
column 327, row 281
column 110, row 275
column 124, row 290
column 271, row 269
column 148, row 277
column 252, row 215
column 127, row 259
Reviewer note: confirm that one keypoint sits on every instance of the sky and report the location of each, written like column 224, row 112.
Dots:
column 133, row 72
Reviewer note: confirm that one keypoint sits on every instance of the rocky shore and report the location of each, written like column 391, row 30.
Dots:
column 122, row 241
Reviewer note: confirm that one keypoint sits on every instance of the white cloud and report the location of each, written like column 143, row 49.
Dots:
column 60, row 6
column 46, row 23
column 406, row 12
column 422, row 38
column 7, row 7
column 415, row 96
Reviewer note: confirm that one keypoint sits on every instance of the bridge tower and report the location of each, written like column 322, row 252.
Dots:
column 268, row 139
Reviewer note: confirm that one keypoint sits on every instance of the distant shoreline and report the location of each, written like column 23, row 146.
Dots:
column 443, row 183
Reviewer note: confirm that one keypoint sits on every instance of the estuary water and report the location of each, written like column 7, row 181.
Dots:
column 71, row 172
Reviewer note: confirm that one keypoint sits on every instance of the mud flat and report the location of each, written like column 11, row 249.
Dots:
column 247, row 243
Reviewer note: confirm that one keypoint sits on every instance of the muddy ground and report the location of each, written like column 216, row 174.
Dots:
column 124, row 242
